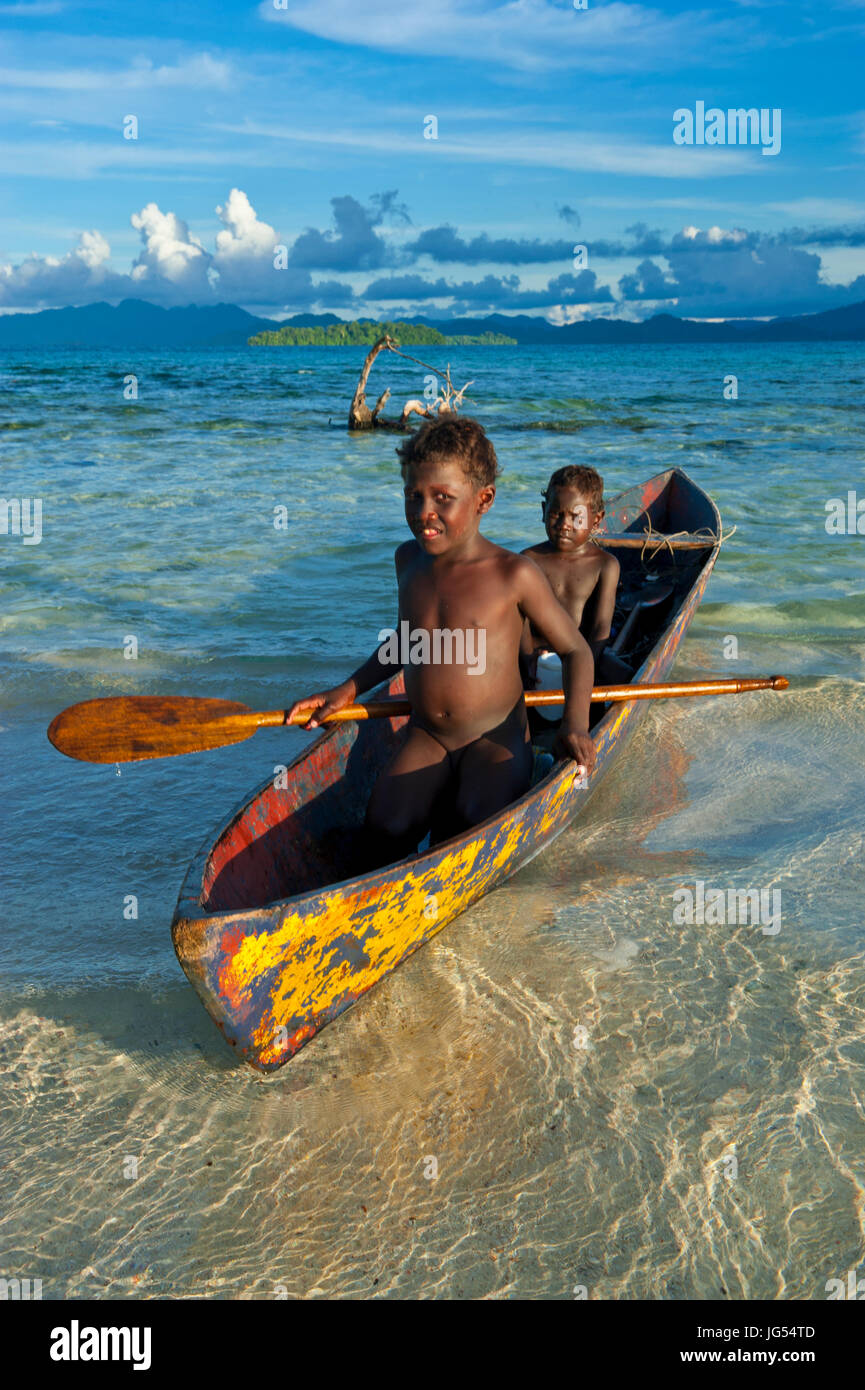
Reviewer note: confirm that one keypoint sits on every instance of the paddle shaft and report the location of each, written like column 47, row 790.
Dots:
column 602, row 694
column 126, row 728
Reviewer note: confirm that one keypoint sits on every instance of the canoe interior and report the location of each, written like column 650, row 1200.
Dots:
column 294, row 836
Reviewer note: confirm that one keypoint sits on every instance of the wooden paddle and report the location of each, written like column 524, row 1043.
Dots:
column 127, row 728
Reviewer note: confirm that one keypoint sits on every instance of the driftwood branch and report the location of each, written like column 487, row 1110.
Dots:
column 381, row 403
column 360, row 417
column 410, row 408
column 450, row 400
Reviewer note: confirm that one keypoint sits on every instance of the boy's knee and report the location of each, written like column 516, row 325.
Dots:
column 472, row 806
column 480, row 797
column 394, row 822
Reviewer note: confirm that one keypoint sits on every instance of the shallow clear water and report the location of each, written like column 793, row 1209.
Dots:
column 707, row 1140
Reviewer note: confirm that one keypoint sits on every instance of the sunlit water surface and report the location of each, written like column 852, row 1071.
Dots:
column 567, row 1089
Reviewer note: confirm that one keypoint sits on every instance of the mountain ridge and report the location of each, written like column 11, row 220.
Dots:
column 136, row 324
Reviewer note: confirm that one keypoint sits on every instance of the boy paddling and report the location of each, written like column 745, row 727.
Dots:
column 468, row 742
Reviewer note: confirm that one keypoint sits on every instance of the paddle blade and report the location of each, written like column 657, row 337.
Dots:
column 125, row 729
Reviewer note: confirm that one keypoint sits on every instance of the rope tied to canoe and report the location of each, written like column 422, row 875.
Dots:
column 657, row 541
column 652, row 542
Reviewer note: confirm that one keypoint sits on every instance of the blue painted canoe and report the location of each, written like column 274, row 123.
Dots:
column 272, row 934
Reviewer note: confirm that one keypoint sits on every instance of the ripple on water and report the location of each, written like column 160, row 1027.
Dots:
column 567, row 1087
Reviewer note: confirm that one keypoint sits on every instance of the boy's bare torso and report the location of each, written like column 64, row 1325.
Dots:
column 466, row 751
column 574, row 579
column 458, row 703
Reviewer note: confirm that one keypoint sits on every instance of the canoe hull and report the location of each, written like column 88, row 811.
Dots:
column 272, row 976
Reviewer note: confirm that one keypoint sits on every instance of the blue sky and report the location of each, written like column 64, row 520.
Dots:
column 303, row 127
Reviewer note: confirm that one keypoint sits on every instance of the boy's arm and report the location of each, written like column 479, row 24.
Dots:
column 605, row 604
column 326, row 702
column 532, row 639
column 539, row 604
column 376, row 668
column 528, row 658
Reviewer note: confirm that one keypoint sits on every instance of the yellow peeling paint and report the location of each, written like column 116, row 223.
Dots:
column 386, row 926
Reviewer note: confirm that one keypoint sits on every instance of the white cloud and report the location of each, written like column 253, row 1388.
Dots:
column 170, row 253
column 243, row 236
column 573, row 150
column 82, row 274
column 714, row 236
column 821, row 209
column 244, row 255
column 524, row 34
column 198, row 71
column 34, row 9
column 125, row 159
column 173, row 267
column 92, row 249
column 710, row 272
column 715, row 273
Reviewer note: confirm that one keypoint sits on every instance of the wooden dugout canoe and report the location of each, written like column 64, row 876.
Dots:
column 275, row 939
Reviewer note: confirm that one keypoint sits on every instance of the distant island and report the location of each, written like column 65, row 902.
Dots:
column 365, row 332
column 134, row 324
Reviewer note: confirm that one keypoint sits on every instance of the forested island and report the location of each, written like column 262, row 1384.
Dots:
column 134, row 323
column 365, row 332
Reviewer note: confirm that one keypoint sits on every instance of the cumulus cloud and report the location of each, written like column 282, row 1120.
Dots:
column 244, row 236
column 173, row 267
column 647, row 242
column 354, row 243
column 492, row 292
column 243, row 262
column 251, row 264
column 711, row 272
column 822, row 236
column 715, row 273
column 444, row 244
column 81, row 275
column 169, row 253
column 647, row 282
column 409, row 286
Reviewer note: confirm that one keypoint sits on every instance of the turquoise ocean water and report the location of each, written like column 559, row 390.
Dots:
column 708, row 1141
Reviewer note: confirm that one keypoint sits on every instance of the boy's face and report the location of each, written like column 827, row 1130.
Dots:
column 569, row 517
column 443, row 506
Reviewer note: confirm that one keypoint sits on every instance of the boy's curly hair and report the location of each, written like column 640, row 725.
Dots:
column 587, row 480
column 457, row 438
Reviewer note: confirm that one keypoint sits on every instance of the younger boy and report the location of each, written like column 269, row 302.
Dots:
column 583, row 576
column 467, row 740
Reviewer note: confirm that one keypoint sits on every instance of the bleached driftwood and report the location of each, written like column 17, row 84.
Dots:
column 360, row 417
